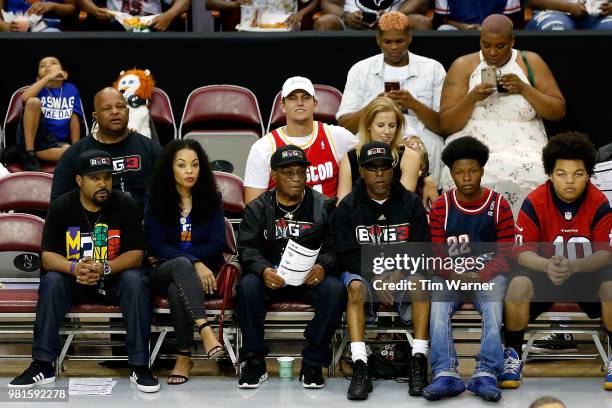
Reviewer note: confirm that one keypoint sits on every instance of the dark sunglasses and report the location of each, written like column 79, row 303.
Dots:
column 374, row 169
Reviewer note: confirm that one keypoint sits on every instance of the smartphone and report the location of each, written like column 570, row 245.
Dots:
column 392, row 86
column 368, row 18
column 488, row 76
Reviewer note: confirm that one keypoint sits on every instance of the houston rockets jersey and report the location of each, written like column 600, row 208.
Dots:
column 322, row 174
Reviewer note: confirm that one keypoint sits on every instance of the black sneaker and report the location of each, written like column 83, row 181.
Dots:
column 418, row 375
column 144, row 379
column 253, row 374
column 311, row 376
column 555, row 343
column 38, row 373
column 30, row 161
column 361, row 382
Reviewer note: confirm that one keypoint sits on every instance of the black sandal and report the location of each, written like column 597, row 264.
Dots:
column 215, row 352
column 180, row 376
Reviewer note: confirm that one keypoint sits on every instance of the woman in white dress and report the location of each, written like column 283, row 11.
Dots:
column 507, row 117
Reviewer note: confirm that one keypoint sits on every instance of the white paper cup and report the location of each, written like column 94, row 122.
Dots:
column 285, row 367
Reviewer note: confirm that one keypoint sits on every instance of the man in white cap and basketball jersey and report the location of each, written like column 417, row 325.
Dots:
column 324, row 144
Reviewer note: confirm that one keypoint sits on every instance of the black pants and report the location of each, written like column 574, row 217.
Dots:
column 328, row 299
column 178, row 279
column 58, row 292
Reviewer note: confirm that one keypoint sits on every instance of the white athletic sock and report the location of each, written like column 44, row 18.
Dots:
column 358, row 351
column 420, row 346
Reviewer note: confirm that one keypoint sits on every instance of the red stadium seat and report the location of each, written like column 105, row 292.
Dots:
column 20, row 248
column 328, row 102
column 230, row 239
column 162, row 116
column 25, row 191
column 20, row 232
column 232, row 191
column 291, row 306
column 221, row 107
column 12, row 115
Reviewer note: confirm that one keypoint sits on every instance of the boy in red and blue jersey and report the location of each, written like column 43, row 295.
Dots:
column 470, row 221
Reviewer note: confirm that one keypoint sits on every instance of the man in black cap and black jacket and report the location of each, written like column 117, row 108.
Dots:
column 290, row 211
column 379, row 213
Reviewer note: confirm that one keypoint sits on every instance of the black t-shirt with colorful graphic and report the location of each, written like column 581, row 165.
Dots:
column 73, row 232
column 291, row 226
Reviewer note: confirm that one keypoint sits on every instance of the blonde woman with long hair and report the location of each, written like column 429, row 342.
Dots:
column 382, row 120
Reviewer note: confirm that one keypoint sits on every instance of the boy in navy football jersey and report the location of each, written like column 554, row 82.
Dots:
column 51, row 117
column 472, row 222
column 572, row 221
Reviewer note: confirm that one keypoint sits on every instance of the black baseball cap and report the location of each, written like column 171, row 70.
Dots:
column 375, row 151
column 93, row 162
column 286, row 155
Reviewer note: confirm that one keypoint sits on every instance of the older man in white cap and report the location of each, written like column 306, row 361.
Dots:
column 324, row 144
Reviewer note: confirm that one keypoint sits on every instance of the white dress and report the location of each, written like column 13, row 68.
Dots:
column 515, row 135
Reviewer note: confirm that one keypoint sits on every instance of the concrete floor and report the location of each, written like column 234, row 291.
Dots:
column 222, row 392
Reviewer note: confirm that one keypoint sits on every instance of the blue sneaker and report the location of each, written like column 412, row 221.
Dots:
column 608, row 380
column 443, row 387
column 513, row 369
column 485, row 387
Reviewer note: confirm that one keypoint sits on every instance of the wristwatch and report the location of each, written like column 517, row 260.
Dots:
column 106, row 268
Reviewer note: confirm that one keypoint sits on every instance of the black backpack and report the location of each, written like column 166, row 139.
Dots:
column 390, row 360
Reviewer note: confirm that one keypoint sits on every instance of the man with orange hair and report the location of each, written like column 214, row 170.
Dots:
column 412, row 81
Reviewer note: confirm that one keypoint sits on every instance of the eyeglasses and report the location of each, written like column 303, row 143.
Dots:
column 374, row 169
column 291, row 174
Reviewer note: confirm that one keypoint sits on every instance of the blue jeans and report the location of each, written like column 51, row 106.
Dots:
column 490, row 358
column 549, row 20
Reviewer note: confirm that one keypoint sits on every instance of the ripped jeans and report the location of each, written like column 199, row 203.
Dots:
column 178, row 279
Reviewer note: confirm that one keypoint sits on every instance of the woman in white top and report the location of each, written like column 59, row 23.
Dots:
column 383, row 121
column 506, row 117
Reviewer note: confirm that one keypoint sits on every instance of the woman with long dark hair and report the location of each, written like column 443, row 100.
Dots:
column 186, row 236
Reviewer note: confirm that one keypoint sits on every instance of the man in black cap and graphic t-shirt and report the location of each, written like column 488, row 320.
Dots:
column 92, row 247
column 293, row 211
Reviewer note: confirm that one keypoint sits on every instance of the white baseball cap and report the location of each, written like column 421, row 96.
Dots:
column 298, row 82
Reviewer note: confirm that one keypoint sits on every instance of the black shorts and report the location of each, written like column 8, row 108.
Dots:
column 44, row 139
column 592, row 309
column 581, row 288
